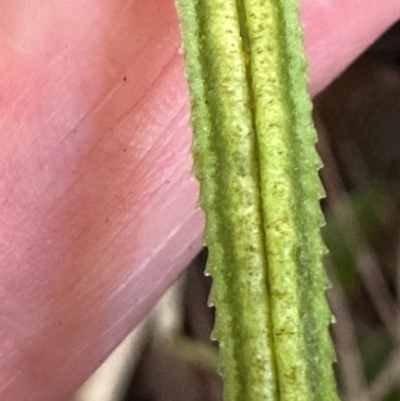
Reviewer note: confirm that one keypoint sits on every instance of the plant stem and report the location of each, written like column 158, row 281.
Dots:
column 255, row 157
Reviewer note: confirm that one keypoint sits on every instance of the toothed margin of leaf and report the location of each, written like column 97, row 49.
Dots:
column 254, row 155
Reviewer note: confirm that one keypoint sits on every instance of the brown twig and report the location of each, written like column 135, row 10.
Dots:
column 387, row 380
column 366, row 262
column 346, row 345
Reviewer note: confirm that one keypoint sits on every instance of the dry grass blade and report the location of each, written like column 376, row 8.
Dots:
column 346, row 345
column 387, row 380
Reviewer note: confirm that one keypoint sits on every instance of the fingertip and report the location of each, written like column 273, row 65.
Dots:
column 336, row 32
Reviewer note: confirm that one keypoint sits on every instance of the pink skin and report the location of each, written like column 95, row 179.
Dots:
column 98, row 204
